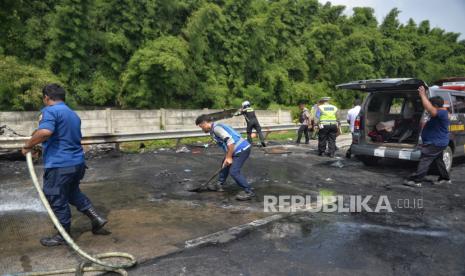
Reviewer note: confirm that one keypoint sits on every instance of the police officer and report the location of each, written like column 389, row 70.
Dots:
column 328, row 127
column 237, row 152
column 304, row 120
column 252, row 122
column 59, row 132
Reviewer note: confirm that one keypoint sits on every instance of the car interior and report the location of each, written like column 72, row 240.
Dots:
column 393, row 117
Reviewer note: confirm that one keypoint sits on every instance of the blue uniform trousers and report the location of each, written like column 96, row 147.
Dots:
column 235, row 170
column 61, row 187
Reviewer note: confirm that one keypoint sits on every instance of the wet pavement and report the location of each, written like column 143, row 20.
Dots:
column 322, row 245
column 152, row 215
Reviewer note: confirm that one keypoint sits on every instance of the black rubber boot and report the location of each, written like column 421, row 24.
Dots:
column 263, row 144
column 55, row 240
column 97, row 221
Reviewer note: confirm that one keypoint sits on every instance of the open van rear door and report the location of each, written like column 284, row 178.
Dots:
column 383, row 85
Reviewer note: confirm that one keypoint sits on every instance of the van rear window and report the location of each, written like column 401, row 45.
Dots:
column 396, row 105
column 375, row 103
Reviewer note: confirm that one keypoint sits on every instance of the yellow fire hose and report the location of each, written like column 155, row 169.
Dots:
column 90, row 263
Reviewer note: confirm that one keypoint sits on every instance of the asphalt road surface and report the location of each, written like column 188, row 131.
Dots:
column 152, row 214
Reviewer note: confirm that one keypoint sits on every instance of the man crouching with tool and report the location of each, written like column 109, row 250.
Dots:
column 59, row 132
column 237, row 151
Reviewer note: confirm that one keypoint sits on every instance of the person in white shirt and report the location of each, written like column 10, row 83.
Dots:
column 351, row 116
column 353, row 113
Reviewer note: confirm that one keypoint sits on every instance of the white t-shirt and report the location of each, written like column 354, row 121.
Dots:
column 352, row 115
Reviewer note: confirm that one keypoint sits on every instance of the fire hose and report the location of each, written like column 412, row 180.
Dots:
column 90, row 263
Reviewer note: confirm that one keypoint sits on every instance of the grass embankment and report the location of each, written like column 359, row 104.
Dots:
column 171, row 143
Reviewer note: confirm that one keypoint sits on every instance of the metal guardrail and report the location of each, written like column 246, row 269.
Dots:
column 18, row 142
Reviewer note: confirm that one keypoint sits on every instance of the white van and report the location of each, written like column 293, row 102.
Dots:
column 392, row 116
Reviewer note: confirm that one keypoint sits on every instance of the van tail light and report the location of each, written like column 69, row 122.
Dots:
column 357, row 123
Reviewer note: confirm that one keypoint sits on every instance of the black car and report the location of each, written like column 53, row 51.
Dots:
column 392, row 116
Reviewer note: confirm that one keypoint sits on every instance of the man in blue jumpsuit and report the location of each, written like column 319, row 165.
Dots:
column 59, row 132
column 237, row 152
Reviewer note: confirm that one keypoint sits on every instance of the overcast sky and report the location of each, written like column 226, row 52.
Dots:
column 445, row 14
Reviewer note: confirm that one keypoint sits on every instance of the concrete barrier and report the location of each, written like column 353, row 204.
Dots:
column 138, row 121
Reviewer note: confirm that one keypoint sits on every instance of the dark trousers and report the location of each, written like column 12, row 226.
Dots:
column 349, row 151
column 327, row 139
column 61, row 187
column 303, row 129
column 430, row 154
column 235, row 170
column 250, row 127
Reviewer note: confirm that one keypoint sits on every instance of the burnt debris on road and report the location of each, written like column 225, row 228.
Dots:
column 152, row 214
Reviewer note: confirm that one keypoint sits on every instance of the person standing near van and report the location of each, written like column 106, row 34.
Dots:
column 59, row 132
column 328, row 127
column 435, row 139
column 351, row 117
column 304, row 120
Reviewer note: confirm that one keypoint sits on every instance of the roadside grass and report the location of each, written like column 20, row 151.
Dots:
column 135, row 147
column 282, row 135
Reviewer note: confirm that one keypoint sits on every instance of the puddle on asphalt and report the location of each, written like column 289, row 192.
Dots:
column 277, row 150
column 277, row 189
column 335, row 227
column 282, row 230
column 20, row 199
column 384, row 228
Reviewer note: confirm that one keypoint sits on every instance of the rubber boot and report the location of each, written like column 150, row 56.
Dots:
column 55, row 240
column 97, row 221
column 263, row 144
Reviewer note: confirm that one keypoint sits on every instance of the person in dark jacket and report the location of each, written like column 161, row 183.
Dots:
column 435, row 139
column 305, row 123
column 252, row 122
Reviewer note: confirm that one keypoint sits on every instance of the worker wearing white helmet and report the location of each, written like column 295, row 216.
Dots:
column 252, row 122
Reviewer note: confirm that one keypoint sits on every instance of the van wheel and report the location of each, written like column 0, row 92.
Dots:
column 369, row 161
column 448, row 158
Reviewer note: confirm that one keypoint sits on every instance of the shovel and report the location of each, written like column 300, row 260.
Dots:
column 204, row 185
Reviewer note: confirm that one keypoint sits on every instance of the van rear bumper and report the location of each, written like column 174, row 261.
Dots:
column 386, row 152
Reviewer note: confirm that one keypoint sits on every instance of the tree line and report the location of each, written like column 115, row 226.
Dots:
column 208, row 53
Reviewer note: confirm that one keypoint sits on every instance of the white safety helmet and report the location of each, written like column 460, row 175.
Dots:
column 245, row 104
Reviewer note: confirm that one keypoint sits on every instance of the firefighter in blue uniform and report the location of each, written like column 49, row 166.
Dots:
column 237, row 152
column 59, row 132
